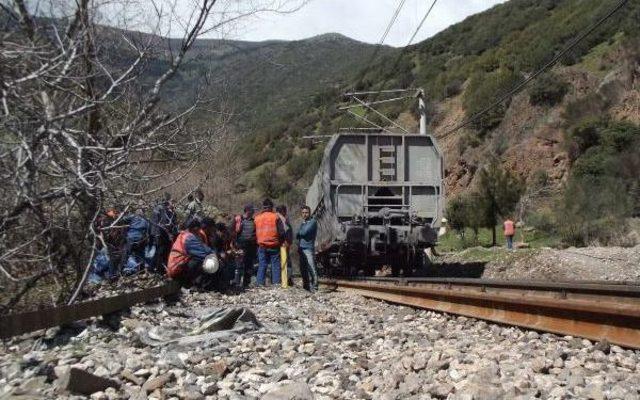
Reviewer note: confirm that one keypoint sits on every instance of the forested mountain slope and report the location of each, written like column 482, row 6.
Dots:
column 464, row 68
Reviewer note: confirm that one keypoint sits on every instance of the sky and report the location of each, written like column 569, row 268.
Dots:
column 363, row 20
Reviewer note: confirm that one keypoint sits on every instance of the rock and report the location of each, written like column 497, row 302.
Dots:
column 143, row 372
column 101, row 372
column 60, row 370
column 290, row 391
column 592, row 392
column 190, row 392
column 604, row 346
column 157, row 382
column 441, row 390
column 420, row 361
column 128, row 375
column 80, row 381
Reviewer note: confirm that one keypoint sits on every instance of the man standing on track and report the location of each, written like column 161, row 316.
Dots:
column 306, row 249
column 270, row 234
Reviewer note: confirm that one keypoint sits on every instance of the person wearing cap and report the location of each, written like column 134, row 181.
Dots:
column 245, row 229
column 188, row 253
column 270, row 234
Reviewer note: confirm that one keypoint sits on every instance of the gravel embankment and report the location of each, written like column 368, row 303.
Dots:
column 590, row 263
column 323, row 346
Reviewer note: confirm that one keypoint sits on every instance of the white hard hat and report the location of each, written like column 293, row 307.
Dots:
column 444, row 220
column 211, row 264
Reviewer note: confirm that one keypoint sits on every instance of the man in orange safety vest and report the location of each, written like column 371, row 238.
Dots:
column 509, row 232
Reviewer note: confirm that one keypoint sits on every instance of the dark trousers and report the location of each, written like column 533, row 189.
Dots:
column 193, row 276
column 163, row 247
column 245, row 265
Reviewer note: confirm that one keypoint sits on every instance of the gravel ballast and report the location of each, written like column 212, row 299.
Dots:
column 328, row 345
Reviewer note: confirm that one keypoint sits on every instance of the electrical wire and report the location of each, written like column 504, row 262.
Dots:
column 402, row 53
column 539, row 72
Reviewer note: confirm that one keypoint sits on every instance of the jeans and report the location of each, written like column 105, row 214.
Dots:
column 134, row 249
column 509, row 242
column 267, row 257
column 308, row 269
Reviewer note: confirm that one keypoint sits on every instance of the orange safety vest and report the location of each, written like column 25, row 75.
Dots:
column 267, row 230
column 509, row 228
column 178, row 257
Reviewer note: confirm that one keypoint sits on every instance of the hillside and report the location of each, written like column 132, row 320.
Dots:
column 263, row 82
column 463, row 69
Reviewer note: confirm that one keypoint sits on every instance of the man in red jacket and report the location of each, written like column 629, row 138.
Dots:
column 187, row 255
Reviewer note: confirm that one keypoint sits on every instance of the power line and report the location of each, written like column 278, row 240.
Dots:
column 539, row 72
column 393, row 20
column 402, row 53
column 422, row 22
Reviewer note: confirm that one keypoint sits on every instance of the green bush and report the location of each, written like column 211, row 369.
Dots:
column 297, row 166
column 484, row 88
column 548, row 90
column 593, row 210
column 543, row 221
column 270, row 184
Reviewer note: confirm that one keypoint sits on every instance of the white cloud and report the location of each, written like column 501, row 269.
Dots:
column 363, row 20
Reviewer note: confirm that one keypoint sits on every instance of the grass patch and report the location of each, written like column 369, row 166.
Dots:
column 452, row 242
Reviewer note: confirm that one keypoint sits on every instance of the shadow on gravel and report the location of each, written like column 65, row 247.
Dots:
column 454, row 270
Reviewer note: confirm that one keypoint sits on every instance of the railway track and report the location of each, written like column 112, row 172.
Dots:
column 592, row 310
column 20, row 323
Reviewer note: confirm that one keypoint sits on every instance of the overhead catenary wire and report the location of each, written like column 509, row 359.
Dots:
column 401, row 54
column 539, row 72
column 392, row 22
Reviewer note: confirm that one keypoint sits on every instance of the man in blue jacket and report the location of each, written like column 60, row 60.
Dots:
column 306, row 250
column 133, row 253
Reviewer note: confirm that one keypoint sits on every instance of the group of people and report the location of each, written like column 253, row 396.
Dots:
column 206, row 250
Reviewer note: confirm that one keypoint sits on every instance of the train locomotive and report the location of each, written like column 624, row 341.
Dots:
column 378, row 199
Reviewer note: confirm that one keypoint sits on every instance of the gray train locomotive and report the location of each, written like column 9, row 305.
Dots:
column 378, row 200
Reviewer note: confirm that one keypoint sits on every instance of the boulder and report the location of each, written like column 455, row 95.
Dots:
column 80, row 381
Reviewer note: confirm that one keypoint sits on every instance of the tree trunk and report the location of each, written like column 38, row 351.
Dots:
column 493, row 236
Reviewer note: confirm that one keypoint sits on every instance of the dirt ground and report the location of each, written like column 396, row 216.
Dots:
column 586, row 264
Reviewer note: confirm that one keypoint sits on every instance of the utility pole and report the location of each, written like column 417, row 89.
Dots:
column 422, row 108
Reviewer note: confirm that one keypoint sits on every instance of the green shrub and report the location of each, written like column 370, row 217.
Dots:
column 270, row 184
column 543, row 221
column 588, row 108
column 297, row 166
column 593, row 210
column 548, row 90
column 484, row 88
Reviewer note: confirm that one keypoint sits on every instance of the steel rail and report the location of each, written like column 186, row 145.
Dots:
column 589, row 310
column 18, row 324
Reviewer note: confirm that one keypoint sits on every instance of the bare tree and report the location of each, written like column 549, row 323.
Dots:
column 82, row 125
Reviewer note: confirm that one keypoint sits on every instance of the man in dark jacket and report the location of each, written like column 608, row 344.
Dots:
column 306, row 250
column 246, row 241
column 164, row 229
column 133, row 256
